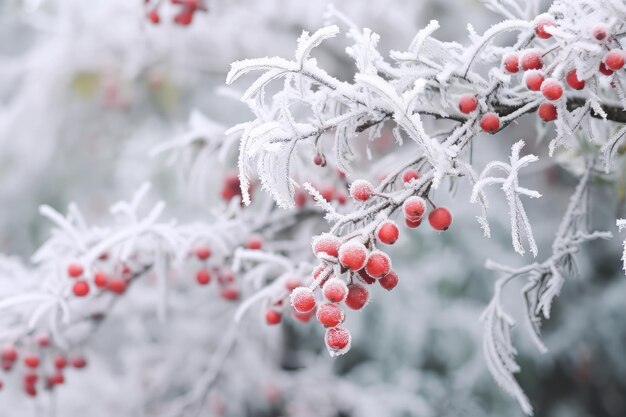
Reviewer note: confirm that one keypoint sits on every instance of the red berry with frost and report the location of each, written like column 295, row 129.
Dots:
column 361, row 190
column 414, row 207
column 378, row 264
column 388, row 232
column 440, row 218
column 573, row 81
column 75, row 270
column 337, row 340
column 412, row 223
column 60, row 362
column 335, row 290
column 531, row 60
column 552, row 89
column 117, row 286
column 31, row 361
column 358, row 295
column 490, row 122
column 540, row 26
column 273, row 317
column 599, row 33
column 511, row 63
column 254, row 243
column 330, row 315
column 79, row 362
column 468, row 104
column 410, row 175
column 327, row 244
column 604, row 70
column 203, row 253
column 547, row 112
column 352, row 255
column 614, row 59
column 203, row 277
column 319, row 160
column 230, row 294
column 80, row 288
column 533, row 80
column 302, row 299
column 389, row 281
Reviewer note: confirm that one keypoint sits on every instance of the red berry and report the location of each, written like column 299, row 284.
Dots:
column 60, row 362
column 511, row 63
column 490, row 122
column 361, row 190
column 389, row 281
column 573, row 81
column 273, row 317
column 117, row 286
column 547, row 112
column 330, row 315
column 341, row 198
column 378, row 264
column 337, row 340
column 410, row 175
column 302, row 299
column 203, row 253
column 300, row 198
column 357, row 297
column 185, row 17
column 604, row 70
column 30, row 390
column 352, row 255
column 100, row 279
column 254, row 243
column 57, row 379
column 552, row 89
column 230, row 294
column 30, row 378
column 326, row 243
column 533, row 79
column 531, row 60
column 79, row 362
column 319, row 160
column 388, row 232
column 9, row 354
column 292, row 283
column 468, row 104
column 540, row 26
column 366, row 277
column 614, row 59
column 203, row 277
column 31, row 361
column 303, row 317
column 440, row 218
column 153, row 16
column 412, row 224
column 328, row 193
column 75, row 270
column 414, row 207
column 43, row 340
column 599, row 33
column 335, row 290
column 1, row 384
column 80, row 288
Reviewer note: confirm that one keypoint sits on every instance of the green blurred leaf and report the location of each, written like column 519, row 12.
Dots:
column 86, row 83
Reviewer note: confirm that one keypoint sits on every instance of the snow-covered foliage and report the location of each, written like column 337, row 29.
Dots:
column 191, row 298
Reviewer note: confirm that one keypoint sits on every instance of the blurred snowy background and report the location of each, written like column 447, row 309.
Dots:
column 89, row 88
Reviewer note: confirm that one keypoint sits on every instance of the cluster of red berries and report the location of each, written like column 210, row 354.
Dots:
column 115, row 282
column 43, row 369
column 531, row 62
column 185, row 15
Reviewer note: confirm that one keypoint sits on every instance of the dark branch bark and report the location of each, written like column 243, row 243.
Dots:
column 613, row 113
